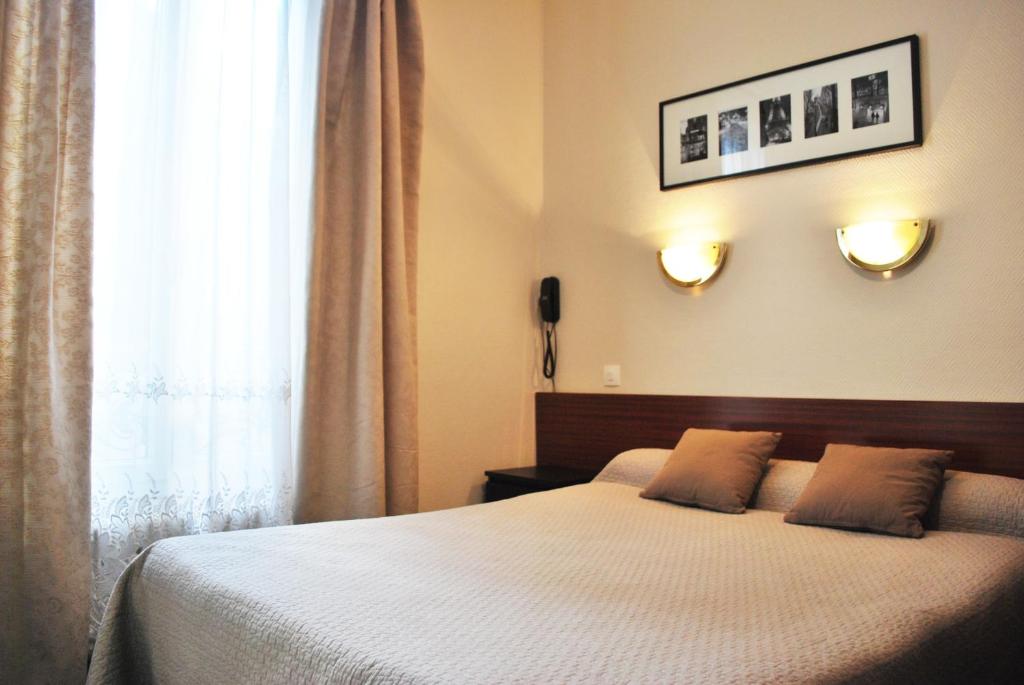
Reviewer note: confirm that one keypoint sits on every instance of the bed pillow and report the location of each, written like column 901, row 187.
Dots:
column 879, row 489
column 979, row 503
column 779, row 489
column 714, row 469
column 783, row 481
column 634, row 467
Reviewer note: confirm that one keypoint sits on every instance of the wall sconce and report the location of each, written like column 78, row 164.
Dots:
column 883, row 245
column 690, row 265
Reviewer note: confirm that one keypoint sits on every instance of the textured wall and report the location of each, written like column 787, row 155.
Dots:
column 481, row 203
column 787, row 316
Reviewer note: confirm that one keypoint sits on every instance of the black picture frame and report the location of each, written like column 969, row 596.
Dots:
column 850, row 104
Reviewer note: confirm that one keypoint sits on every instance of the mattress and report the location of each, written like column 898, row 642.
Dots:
column 587, row 584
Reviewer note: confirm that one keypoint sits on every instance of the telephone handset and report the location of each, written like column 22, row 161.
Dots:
column 549, row 305
column 550, row 312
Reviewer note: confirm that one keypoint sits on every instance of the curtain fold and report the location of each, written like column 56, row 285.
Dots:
column 358, row 441
column 46, row 115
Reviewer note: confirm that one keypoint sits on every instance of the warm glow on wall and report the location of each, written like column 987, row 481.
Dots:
column 694, row 264
column 882, row 245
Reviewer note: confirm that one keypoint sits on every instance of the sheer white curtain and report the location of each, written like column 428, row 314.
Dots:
column 203, row 162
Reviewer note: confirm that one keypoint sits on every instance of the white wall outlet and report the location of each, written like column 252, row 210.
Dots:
column 612, row 375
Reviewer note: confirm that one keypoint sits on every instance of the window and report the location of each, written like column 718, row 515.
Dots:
column 203, row 163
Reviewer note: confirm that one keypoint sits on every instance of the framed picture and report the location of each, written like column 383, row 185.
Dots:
column 862, row 101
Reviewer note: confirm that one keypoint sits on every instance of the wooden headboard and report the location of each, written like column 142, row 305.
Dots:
column 584, row 431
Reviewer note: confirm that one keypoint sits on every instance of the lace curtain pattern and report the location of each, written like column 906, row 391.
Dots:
column 203, row 159
column 46, row 110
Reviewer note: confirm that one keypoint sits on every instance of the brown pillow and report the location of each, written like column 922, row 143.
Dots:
column 713, row 469
column 880, row 489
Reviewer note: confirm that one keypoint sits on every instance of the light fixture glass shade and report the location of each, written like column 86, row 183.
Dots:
column 882, row 245
column 690, row 265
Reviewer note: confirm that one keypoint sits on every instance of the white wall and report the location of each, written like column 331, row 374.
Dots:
column 541, row 156
column 787, row 316
column 480, row 211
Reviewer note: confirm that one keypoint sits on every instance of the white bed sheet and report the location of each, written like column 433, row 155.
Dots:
column 585, row 584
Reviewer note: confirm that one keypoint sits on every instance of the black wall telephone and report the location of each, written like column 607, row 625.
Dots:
column 550, row 312
column 549, row 300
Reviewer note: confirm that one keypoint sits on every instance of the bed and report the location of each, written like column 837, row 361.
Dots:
column 585, row 584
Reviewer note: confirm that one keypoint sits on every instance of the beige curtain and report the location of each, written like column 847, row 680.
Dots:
column 358, row 441
column 46, row 91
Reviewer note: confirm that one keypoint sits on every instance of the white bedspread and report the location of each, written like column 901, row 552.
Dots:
column 585, row 584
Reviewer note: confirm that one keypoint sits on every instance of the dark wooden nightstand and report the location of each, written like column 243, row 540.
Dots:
column 505, row 483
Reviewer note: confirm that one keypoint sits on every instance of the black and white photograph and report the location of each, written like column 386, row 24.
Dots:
column 854, row 103
column 871, row 100
column 693, row 139
column 776, row 121
column 732, row 131
column 821, row 111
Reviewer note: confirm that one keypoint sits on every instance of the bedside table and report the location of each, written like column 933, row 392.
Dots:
column 505, row 483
